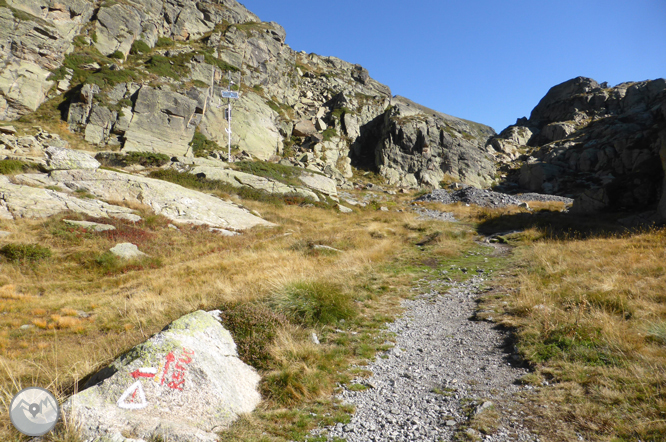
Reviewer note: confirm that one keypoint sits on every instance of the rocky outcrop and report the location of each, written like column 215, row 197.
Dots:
column 185, row 383
column 177, row 203
column 598, row 143
column 119, row 25
column 21, row 201
column 163, row 122
column 34, row 36
column 60, row 158
column 419, row 146
column 320, row 113
column 255, row 126
column 241, row 179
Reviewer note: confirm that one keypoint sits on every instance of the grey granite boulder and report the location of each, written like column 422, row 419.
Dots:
column 171, row 200
column 184, row 384
column 59, row 158
column 95, row 227
column 21, row 201
column 127, row 250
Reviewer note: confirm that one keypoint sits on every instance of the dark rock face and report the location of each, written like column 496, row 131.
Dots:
column 597, row 143
column 412, row 145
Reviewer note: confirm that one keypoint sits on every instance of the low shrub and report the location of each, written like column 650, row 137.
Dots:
column 25, row 252
column 164, row 42
column 315, row 303
column 173, row 67
column 329, row 133
column 253, row 327
column 202, row 146
column 118, row 55
column 139, row 47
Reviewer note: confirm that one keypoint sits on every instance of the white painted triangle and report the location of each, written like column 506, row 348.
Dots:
column 134, row 388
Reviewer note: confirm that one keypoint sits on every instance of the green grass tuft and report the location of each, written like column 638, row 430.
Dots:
column 118, row 55
column 202, row 146
column 314, row 303
column 139, row 47
column 278, row 172
column 164, row 42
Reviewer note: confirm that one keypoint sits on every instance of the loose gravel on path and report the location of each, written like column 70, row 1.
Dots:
column 434, row 214
column 443, row 367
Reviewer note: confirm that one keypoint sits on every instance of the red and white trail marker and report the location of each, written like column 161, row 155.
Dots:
column 129, row 399
column 144, row 373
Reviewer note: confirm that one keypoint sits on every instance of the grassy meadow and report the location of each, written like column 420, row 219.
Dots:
column 68, row 312
column 584, row 297
column 587, row 299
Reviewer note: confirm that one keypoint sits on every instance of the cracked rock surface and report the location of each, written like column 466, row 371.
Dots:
column 443, row 370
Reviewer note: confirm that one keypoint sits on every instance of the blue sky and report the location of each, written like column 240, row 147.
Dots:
column 489, row 61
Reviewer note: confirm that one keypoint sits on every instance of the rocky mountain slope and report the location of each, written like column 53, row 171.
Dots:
column 601, row 144
column 143, row 76
column 147, row 76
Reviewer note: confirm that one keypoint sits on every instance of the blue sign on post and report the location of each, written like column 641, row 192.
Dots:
column 229, row 94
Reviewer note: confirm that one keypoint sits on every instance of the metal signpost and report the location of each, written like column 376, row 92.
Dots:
column 229, row 95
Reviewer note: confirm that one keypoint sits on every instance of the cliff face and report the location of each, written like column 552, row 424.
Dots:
column 147, row 76
column 601, row 144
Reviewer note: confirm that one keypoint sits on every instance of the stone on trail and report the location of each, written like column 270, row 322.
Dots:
column 184, row 384
column 127, row 250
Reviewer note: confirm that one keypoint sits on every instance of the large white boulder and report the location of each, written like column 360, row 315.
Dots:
column 184, row 384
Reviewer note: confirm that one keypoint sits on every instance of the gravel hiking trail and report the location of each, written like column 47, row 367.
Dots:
column 446, row 374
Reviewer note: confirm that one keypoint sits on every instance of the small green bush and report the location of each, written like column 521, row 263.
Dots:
column 202, row 146
column 253, row 327
column 139, row 47
column 329, row 133
column 173, row 67
column 25, row 252
column 117, row 55
column 164, row 42
column 314, row 302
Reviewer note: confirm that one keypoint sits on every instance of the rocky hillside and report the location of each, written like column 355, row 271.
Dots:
column 147, row 76
column 601, row 144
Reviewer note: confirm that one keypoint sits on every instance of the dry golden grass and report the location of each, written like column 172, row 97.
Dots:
column 123, row 304
column 591, row 314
